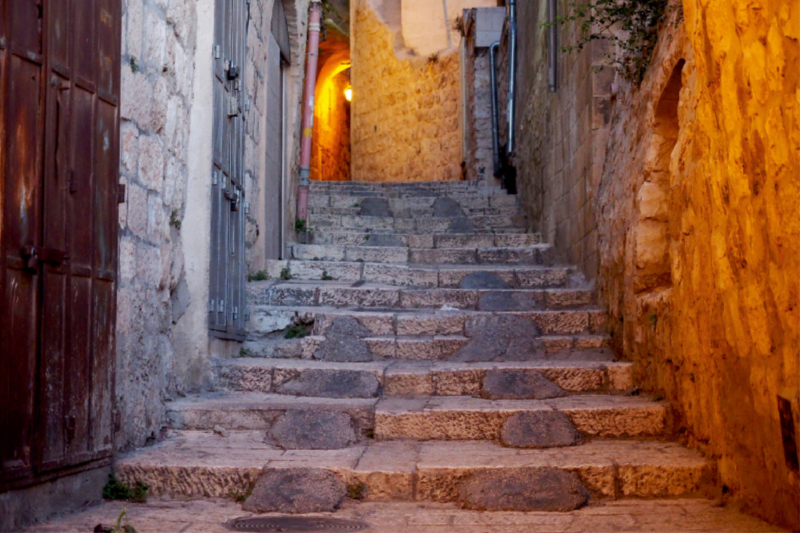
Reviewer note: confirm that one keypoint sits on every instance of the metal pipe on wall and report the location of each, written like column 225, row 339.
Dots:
column 314, row 17
column 495, row 109
column 512, row 71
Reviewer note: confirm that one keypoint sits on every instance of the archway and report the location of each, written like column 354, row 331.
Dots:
column 330, row 159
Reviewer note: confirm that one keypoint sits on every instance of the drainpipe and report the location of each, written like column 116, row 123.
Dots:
column 314, row 17
column 495, row 110
column 512, row 71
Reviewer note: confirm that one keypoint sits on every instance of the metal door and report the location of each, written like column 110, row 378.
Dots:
column 227, row 275
column 59, row 173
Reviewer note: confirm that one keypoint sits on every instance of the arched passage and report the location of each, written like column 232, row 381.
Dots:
column 330, row 159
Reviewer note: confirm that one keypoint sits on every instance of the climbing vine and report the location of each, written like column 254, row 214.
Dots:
column 630, row 25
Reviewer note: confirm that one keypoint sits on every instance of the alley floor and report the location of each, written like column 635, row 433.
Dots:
column 639, row 516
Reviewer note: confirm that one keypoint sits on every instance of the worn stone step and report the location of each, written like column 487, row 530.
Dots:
column 429, row 276
column 569, row 324
column 473, row 208
column 540, row 254
column 368, row 295
column 433, row 348
column 197, row 465
column 469, row 418
column 256, row 410
column 436, row 240
column 462, row 224
column 402, row 378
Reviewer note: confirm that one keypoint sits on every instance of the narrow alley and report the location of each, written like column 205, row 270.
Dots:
column 399, row 266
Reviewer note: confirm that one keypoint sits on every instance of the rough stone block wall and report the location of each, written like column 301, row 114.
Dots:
column 560, row 136
column 699, row 237
column 158, row 47
column 405, row 110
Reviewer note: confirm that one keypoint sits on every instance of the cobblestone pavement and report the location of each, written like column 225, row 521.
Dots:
column 639, row 516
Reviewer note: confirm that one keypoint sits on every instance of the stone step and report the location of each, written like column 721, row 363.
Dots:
column 198, row 465
column 564, row 324
column 401, row 378
column 422, row 225
column 255, row 410
column 418, row 417
column 429, row 276
column 469, row 418
column 472, row 208
column 539, row 254
column 435, row 240
column 433, row 348
column 368, row 295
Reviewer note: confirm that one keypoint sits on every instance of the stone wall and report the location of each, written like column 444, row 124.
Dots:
column 560, row 136
column 331, row 146
column 158, row 47
column 699, row 237
column 405, row 109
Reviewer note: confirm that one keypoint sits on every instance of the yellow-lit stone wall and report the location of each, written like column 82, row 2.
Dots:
column 699, row 237
column 331, row 145
column 405, row 111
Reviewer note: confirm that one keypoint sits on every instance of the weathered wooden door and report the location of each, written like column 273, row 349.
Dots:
column 227, row 291
column 59, row 173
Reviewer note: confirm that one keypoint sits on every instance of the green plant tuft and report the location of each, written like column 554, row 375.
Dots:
column 114, row 489
column 174, row 219
column 134, row 65
column 261, row 275
column 245, row 352
column 326, row 276
column 300, row 225
column 297, row 331
column 285, row 274
column 240, row 497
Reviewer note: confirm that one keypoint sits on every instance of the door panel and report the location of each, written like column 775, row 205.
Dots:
column 227, row 272
column 59, row 164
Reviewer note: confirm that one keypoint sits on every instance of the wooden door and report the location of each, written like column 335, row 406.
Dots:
column 227, row 269
column 59, row 174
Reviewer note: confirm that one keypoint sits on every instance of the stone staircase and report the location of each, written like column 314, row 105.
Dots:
column 422, row 347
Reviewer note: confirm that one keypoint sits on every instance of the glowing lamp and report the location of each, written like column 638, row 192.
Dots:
column 348, row 93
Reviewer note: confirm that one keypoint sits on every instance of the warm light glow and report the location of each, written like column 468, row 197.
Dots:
column 348, row 93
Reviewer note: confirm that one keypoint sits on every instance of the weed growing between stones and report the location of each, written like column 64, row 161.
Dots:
column 630, row 25
column 174, row 219
column 114, row 489
column 285, row 274
column 134, row 65
column 245, row 352
column 297, row 331
column 300, row 225
column 119, row 527
column 261, row 275
column 326, row 276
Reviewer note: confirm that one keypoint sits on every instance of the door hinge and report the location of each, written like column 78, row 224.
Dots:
column 212, row 307
column 120, row 193
column 247, row 315
column 235, row 312
column 217, row 51
column 214, row 178
column 221, row 308
column 233, row 106
column 247, row 208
